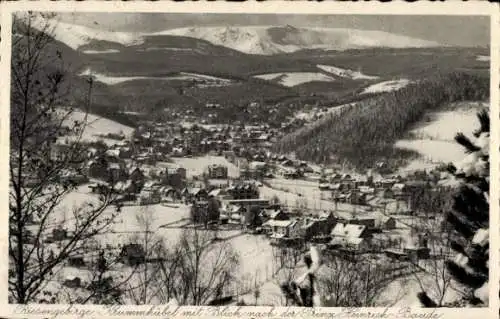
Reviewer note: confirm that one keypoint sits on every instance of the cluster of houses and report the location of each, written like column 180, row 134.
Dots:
column 261, row 163
column 240, row 203
column 119, row 168
column 362, row 189
column 182, row 139
column 354, row 234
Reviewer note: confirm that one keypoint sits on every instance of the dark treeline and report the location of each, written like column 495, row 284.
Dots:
column 363, row 134
column 432, row 201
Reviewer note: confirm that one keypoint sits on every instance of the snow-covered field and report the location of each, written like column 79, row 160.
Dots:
column 111, row 80
column 386, row 86
column 434, row 151
column 403, row 291
column 255, row 255
column 346, row 73
column 195, row 166
column 434, row 139
column 400, row 293
column 101, row 51
column 75, row 36
column 483, row 58
column 287, row 191
column 313, row 114
column 96, row 125
column 295, row 78
column 166, row 49
column 255, row 252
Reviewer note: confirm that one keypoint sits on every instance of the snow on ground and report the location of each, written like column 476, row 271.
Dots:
column 204, row 77
column 166, row 49
column 346, row 73
column 444, row 125
column 403, row 292
column 195, row 166
column 248, row 39
column 400, row 293
column 112, row 80
column 313, row 114
column 483, row 58
column 288, row 192
column 158, row 215
column 434, row 139
column 101, row 51
column 259, row 39
column 255, row 252
column 434, row 151
column 96, row 125
column 386, row 86
column 295, row 78
column 256, row 256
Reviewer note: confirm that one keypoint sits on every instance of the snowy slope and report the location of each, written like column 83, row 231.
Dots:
column 386, row 86
column 96, row 126
column 295, row 78
column 483, row 58
column 186, row 76
column 434, row 137
column 76, row 36
column 265, row 40
column 270, row 40
column 346, row 73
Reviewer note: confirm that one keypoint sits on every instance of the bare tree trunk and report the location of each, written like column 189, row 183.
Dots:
column 37, row 122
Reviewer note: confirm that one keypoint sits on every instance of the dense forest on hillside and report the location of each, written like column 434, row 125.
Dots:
column 363, row 134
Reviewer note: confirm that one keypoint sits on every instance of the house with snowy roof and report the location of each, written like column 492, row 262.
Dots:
column 350, row 236
column 276, row 214
column 113, row 153
column 280, row 229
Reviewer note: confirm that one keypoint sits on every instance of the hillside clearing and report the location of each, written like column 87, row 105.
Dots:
column 295, row 78
column 101, row 51
column 434, row 136
column 346, row 73
column 386, row 86
column 96, row 126
column 483, row 58
column 183, row 76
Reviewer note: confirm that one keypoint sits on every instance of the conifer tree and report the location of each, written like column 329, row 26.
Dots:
column 469, row 218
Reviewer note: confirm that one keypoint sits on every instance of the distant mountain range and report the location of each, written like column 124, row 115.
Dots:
column 262, row 40
column 178, row 72
column 183, row 69
column 269, row 40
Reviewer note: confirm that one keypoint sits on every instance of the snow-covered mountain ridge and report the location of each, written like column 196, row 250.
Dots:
column 264, row 40
column 268, row 40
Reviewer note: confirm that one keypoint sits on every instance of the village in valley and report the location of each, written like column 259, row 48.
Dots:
column 226, row 180
column 181, row 168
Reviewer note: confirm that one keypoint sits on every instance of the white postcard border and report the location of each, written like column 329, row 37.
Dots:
column 271, row 7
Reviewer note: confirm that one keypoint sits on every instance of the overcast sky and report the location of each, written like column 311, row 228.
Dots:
column 450, row 30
